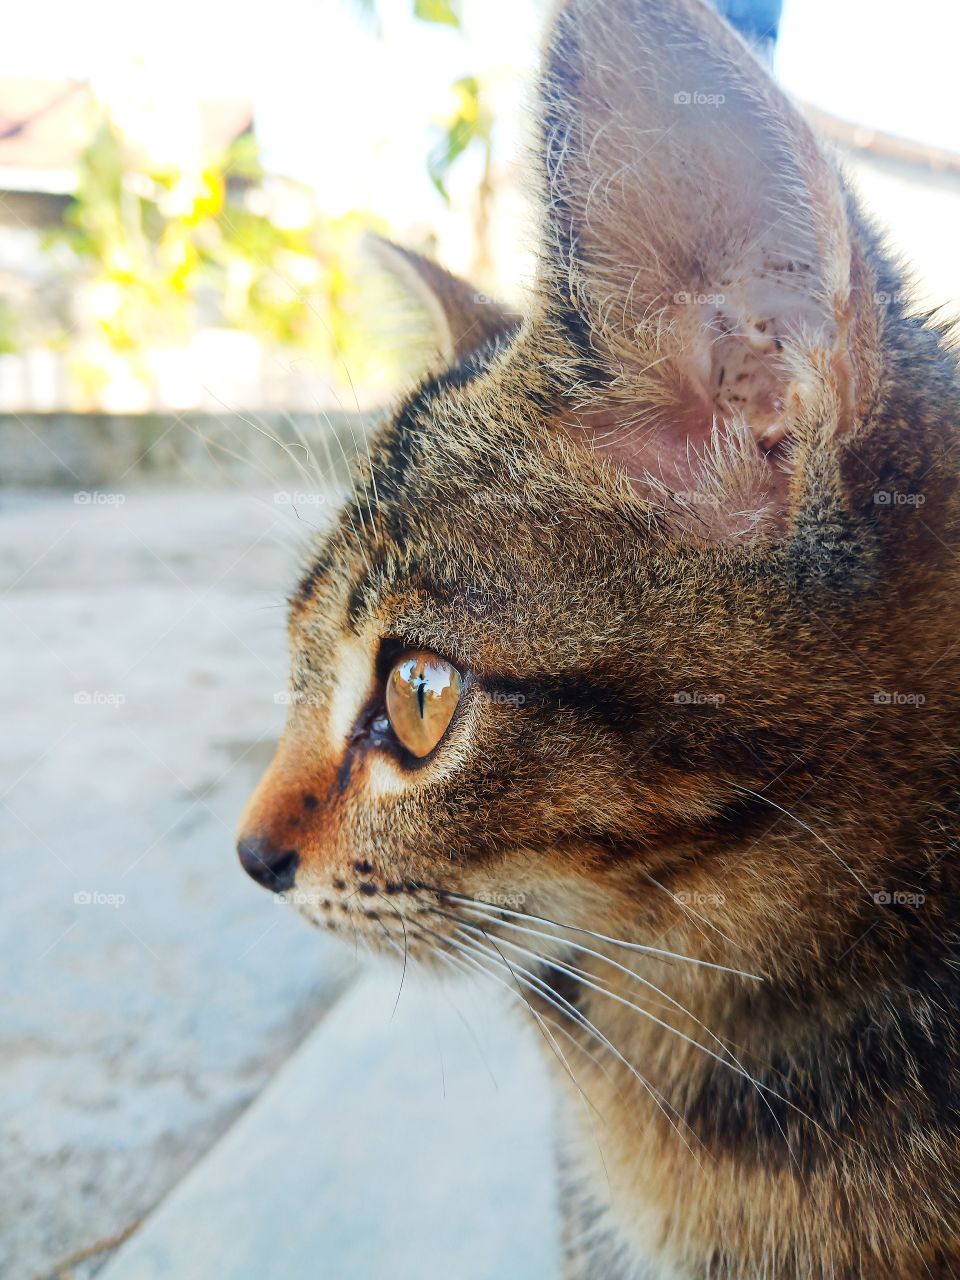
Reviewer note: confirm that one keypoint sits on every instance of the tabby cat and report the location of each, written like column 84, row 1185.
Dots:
column 631, row 676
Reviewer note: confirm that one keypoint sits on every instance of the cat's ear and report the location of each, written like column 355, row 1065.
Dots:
column 460, row 317
column 698, row 250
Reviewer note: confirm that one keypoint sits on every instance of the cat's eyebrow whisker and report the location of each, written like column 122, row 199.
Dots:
column 360, row 541
column 541, row 988
column 274, row 439
column 640, row 947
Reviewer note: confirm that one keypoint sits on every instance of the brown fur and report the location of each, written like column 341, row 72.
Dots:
column 670, row 731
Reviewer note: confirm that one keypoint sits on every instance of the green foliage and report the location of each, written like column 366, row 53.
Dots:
column 149, row 243
column 443, row 11
column 156, row 252
column 469, row 122
column 8, row 328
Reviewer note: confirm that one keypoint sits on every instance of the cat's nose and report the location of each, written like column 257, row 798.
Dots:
column 268, row 864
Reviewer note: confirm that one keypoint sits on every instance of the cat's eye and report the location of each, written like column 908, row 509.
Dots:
column 422, row 694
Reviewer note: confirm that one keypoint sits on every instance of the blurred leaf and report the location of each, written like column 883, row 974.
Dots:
column 446, row 12
column 469, row 122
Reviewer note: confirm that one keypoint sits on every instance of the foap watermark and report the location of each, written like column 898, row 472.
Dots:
column 299, row 898
column 695, row 498
column 98, row 698
column 296, row 498
column 296, row 698
column 697, row 98
column 690, row 298
column 898, row 898
column 94, row 498
column 497, row 500
column 696, row 899
column 502, row 697
column 894, row 498
column 97, row 898
column 897, row 698
column 698, row 698
column 498, row 899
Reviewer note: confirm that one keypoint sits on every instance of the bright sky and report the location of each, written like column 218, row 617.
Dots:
column 349, row 113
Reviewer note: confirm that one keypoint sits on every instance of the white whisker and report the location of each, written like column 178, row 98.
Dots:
column 640, row 947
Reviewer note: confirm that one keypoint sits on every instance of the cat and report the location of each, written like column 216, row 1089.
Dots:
column 630, row 676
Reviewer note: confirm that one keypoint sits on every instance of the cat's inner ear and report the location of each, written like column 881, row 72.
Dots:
column 461, row 319
column 696, row 247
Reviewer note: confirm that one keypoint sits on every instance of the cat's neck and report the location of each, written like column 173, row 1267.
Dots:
column 701, row 1108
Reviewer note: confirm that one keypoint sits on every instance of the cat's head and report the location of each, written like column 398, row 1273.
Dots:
column 640, row 616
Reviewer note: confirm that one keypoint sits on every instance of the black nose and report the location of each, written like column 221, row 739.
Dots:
column 272, row 867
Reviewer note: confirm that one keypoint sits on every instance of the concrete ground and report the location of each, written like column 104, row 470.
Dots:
column 155, row 993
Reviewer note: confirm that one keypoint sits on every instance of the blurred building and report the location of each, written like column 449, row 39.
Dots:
column 45, row 128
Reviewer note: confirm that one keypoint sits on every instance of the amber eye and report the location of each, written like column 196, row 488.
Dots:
column 422, row 695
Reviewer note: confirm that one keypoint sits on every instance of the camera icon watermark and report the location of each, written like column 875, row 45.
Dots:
column 695, row 899
column 96, row 898
column 296, row 498
column 94, row 498
column 296, row 698
column 298, row 898
column 697, row 98
column 497, row 898
column 894, row 498
column 98, row 698
column 695, row 498
column 503, row 698
column 899, row 898
column 689, row 298
column 897, row 698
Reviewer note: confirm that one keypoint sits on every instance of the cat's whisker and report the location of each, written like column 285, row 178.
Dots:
column 688, row 910
column 580, row 975
column 543, row 990
column 549, row 937
column 395, row 945
column 764, row 1091
column 464, row 956
column 639, row 947
column 467, row 957
column 758, row 795
column 285, row 448
column 470, row 966
column 598, row 955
